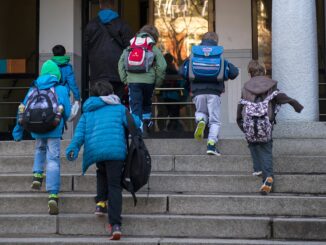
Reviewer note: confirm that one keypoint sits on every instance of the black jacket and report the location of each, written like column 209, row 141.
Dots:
column 104, row 51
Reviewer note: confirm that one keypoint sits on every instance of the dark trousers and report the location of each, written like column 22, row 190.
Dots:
column 118, row 88
column 262, row 157
column 108, row 179
column 140, row 99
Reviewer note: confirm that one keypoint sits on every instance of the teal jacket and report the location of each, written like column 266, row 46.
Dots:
column 155, row 75
column 101, row 129
column 46, row 82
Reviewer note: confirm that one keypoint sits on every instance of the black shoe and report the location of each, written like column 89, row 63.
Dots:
column 115, row 232
column 101, row 209
column 37, row 181
column 53, row 207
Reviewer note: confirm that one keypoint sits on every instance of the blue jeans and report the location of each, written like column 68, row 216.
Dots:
column 48, row 151
column 262, row 157
column 140, row 99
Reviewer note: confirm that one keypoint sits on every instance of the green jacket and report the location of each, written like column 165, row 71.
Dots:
column 156, row 74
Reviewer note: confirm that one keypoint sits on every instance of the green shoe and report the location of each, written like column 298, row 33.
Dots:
column 199, row 133
column 53, row 204
column 37, row 181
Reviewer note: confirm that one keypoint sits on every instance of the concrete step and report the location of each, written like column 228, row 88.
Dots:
column 301, row 147
column 235, row 227
column 78, row 203
column 213, row 183
column 24, row 164
column 183, row 183
column 186, row 163
column 273, row 205
column 76, row 240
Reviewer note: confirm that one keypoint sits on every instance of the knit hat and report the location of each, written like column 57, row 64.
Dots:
column 51, row 68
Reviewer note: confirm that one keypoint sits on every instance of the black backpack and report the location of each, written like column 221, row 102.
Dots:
column 41, row 111
column 138, row 166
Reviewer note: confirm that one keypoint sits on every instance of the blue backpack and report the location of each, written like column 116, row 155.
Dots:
column 206, row 64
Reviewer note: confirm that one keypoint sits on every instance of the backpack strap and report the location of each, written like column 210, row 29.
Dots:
column 220, row 77
column 271, row 96
column 107, row 29
column 131, row 124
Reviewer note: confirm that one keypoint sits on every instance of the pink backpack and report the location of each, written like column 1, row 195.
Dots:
column 139, row 57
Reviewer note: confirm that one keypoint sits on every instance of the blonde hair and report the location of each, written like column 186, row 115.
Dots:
column 256, row 68
column 210, row 36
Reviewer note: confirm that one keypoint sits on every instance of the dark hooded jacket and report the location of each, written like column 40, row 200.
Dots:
column 217, row 88
column 257, row 89
column 102, row 49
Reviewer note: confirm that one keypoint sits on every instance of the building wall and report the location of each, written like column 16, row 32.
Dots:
column 233, row 25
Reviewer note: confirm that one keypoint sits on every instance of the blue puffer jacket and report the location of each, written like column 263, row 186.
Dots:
column 45, row 82
column 101, row 129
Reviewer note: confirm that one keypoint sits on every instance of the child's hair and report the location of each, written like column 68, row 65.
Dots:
column 101, row 88
column 151, row 30
column 58, row 50
column 210, row 36
column 256, row 68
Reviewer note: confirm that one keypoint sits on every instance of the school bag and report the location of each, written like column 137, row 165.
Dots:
column 138, row 166
column 139, row 57
column 257, row 125
column 42, row 113
column 206, row 64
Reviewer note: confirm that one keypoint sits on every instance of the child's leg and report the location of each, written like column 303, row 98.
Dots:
column 201, row 115
column 214, row 108
column 136, row 99
column 113, row 172
column 53, row 166
column 101, row 189
column 40, row 156
column 147, row 101
column 254, row 151
column 266, row 156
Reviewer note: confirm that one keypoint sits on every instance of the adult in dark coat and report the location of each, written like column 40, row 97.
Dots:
column 106, row 36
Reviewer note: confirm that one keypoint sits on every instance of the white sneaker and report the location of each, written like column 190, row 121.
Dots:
column 258, row 173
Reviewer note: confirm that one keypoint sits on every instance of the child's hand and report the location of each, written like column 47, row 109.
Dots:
column 71, row 155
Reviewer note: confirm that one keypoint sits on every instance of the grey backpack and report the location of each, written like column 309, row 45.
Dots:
column 256, row 122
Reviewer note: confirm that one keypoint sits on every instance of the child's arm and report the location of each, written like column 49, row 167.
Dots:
column 230, row 71
column 121, row 66
column 282, row 98
column 239, row 115
column 65, row 101
column 77, row 141
column 160, row 67
column 72, row 82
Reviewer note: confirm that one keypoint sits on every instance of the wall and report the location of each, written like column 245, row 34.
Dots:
column 233, row 25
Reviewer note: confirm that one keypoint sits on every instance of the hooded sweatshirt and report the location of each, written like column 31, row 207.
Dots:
column 156, row 73
column 104, row 51
column 50, row 76
column 101, row 129
column 67, row 75
column 262, row 86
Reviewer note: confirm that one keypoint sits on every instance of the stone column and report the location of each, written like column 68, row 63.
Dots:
column 294, row 56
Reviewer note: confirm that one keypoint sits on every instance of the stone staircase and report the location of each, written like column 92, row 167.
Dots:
column 194, row 198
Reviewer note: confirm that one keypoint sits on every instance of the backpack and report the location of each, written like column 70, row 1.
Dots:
column 206, row 64
column 138, row 166
column 40, row 114
column 257, row 125
column 139, row 57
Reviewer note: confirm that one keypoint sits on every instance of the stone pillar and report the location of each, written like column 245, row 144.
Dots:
column 294, row 56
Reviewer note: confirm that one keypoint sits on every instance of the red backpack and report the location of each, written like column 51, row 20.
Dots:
column 139, row 57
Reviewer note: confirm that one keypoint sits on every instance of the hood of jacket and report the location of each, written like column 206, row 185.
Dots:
column 259, row 85
column 94, row 103
column 61, row 60
column 145, row 34
column 208, row 42
column 107, row 15
column 50, row 68
column 46, row 81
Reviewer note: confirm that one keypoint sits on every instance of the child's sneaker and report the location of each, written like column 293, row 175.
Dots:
column 115, row 232
column 53, row 204
column 101, row 209
column 212, row 149
column 267, row 186
column 199, row 133
column 37, row 181
column 257, row 173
